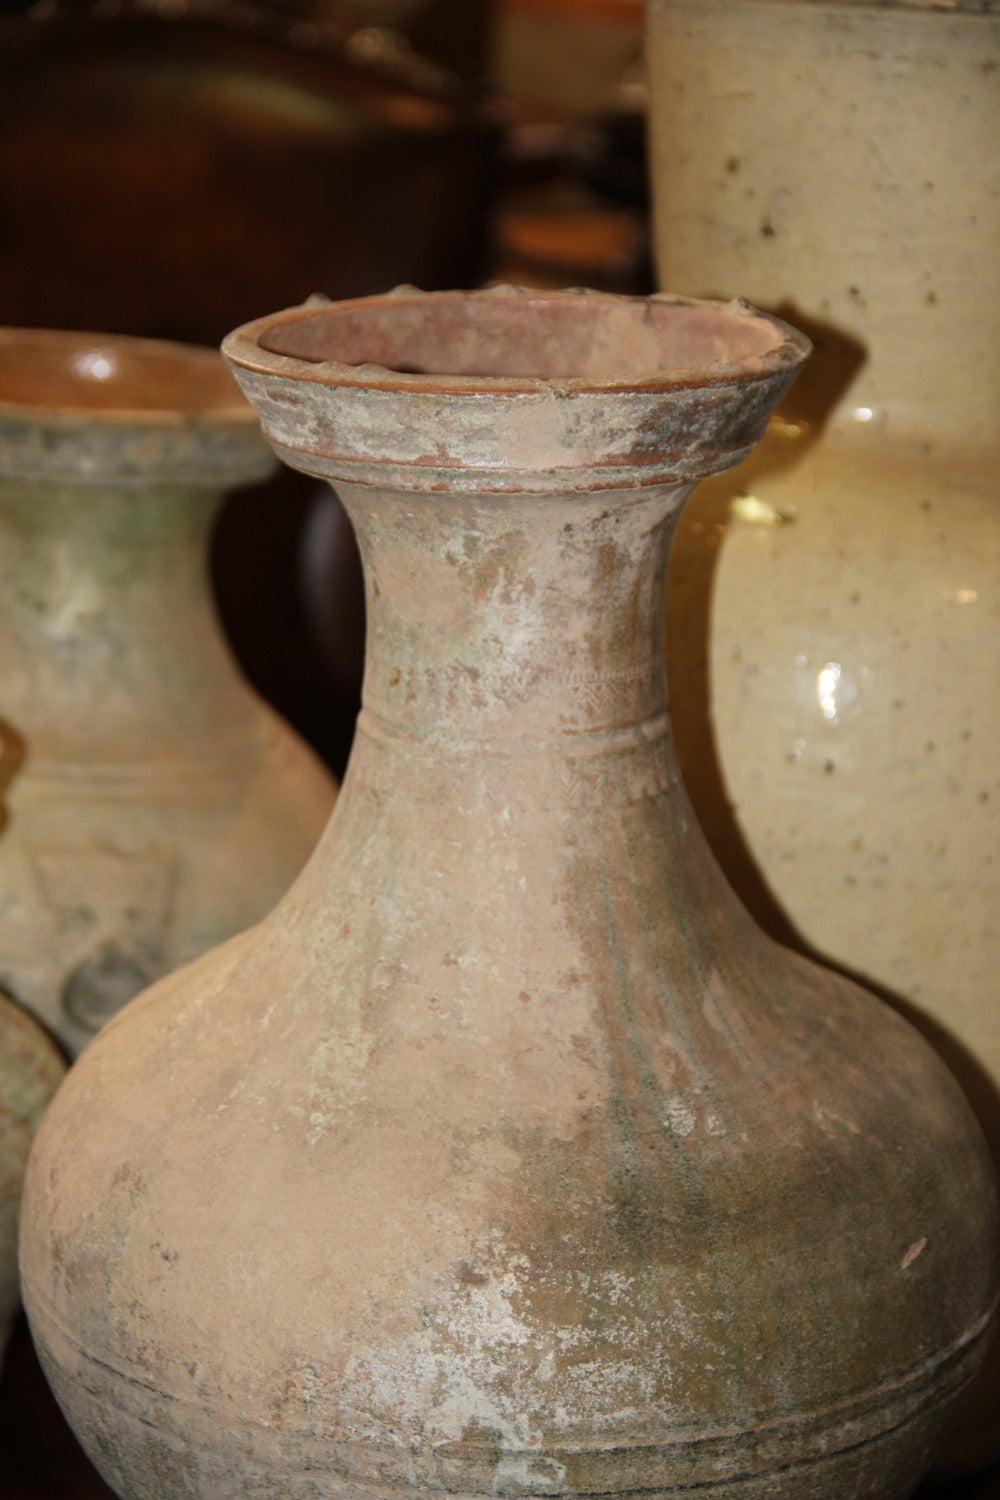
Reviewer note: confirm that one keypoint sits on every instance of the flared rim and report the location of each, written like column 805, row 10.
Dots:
column 671, row 342
column 67, row 376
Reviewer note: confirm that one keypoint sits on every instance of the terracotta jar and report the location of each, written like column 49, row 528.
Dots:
column 30, row 1071
column 835, row 604
column 154, row 805
column 513, row 1158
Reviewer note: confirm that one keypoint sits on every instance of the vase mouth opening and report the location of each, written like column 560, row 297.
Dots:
column 512, row 338
column 115, row 377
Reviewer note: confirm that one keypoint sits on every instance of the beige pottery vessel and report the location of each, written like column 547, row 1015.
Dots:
column 153, row 804
column 836, row 600
column 31, row 1068
column 513, row 1159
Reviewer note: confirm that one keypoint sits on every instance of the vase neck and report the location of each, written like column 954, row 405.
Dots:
column 503, row 623
column 105, row 590
column 142, row 546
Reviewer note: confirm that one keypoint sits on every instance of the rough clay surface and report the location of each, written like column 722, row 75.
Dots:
column 152, row 804
column 507, row 1157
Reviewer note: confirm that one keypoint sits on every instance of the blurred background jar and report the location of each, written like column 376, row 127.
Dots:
column 838, row 595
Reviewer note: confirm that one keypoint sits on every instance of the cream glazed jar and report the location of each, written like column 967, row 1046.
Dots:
column 834, row 601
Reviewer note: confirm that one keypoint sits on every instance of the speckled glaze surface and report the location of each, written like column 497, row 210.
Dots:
column 152, row 804
column 513, row 1159
column 835, row 607
column 31, row 1068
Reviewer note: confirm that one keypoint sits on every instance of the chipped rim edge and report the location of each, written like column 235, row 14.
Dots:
column 243, row 350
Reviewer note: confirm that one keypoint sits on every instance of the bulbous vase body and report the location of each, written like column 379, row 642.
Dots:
column 31, row 1068
column 513, row 1158
column 153, row 805
column 835, row 603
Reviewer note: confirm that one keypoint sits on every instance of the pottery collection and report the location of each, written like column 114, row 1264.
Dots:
column 467, row 1130
column 835, row 615
column 153, row 804
column 513, row 1157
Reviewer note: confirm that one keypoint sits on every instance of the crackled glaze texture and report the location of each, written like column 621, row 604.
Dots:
column 835, row 602
column 30, row 1070
column 513, row 1159
column 152, row 805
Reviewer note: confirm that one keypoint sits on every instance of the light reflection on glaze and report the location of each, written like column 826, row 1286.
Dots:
column 95, row 364
column 826, row 691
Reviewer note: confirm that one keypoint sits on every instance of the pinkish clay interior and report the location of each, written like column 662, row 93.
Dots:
column 590, row 338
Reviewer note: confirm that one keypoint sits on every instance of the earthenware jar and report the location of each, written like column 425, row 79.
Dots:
column 835, row 601
column 512, row 1158
column 154, row 805
column 30, row 1070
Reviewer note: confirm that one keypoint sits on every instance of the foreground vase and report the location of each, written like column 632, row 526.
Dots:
column 154, row 805
column 847, row 578
column 30, row 1071
column 513, row 1158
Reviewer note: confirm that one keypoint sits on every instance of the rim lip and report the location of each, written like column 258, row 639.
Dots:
column 239, row 413
column 244, row 351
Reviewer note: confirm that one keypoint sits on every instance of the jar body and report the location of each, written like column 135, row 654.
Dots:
column 513, row 1157
column 850, row 636
column 113, row 874
column 834, row 602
